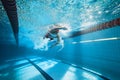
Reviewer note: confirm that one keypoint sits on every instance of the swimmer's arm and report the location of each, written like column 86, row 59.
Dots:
column 58, row 41
column 60, row 27
column 63, row 28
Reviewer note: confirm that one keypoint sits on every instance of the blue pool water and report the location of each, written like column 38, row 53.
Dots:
column 90, row 56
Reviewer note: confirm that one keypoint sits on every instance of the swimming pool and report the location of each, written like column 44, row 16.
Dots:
column 91, row 41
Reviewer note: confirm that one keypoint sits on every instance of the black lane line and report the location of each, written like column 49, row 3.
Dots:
column 46, row 76
column 11, row 10
column 101, row 76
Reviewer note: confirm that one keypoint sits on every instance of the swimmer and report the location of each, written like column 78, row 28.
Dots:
column 54, row 33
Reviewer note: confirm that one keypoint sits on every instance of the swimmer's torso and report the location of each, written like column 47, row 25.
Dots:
column 54, row 31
